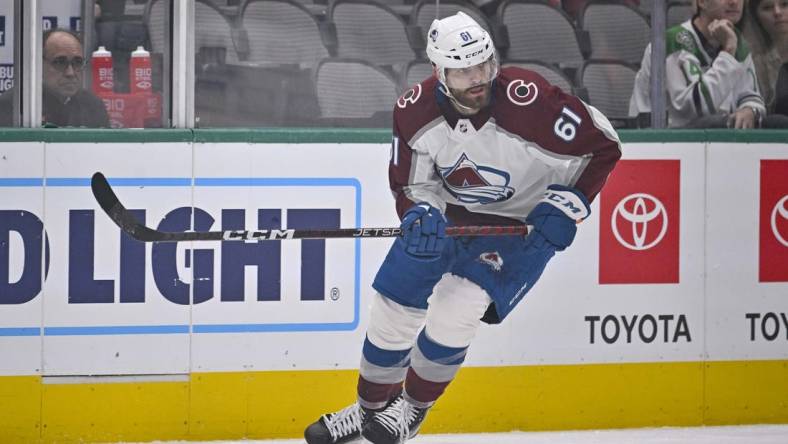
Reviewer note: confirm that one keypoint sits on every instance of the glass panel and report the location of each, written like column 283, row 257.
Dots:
column 219, row 86
column 288, row 62
column 111, row 74
column 9, row 97
column 137, row 34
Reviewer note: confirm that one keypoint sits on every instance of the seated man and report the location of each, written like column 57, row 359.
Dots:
column 64, row 101
column 709, row 73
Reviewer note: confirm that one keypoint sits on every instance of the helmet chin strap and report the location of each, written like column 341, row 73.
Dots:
column 455, row 102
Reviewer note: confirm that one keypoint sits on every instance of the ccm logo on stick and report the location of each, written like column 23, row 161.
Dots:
column 258, row 234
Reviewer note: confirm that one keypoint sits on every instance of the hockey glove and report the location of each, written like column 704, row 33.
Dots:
column 555, row 218
column 423, row 232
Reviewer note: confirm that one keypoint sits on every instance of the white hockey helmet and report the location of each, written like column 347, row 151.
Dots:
column 458, row 41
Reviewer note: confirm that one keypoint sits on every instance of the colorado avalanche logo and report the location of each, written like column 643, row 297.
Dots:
column 521, row 93
column 471, row 183
column 410, row 96
column 491, row 258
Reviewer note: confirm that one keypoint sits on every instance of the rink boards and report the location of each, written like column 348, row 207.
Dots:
column 670, row 309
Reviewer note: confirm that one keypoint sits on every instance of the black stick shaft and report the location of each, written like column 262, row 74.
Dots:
column 111, row 205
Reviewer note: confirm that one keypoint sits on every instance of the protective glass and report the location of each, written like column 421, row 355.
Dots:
column 10, row 18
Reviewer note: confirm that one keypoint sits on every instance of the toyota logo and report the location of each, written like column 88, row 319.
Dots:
column 781, row 211
column 642, row 211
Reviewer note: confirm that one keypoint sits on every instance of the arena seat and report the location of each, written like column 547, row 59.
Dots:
column 678, row 12
column 616, row 30
column 282, row 32
column 354, row 92
column 607, row 85
column 370, row 30
column 540, row 31
column 549, row 71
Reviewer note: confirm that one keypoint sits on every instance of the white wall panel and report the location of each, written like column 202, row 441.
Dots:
column 732, row 233
column 313, row 314
column 22, row 210
column 300, row 328
column 96, row 321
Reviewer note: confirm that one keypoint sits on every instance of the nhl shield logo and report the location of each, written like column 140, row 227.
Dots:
column 472, row 183
column 491, row 258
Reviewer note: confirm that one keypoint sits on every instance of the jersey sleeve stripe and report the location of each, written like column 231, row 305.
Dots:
column 602, row 123
column 707, row 95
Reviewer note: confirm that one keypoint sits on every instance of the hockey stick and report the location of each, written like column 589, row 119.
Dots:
column 123, row 218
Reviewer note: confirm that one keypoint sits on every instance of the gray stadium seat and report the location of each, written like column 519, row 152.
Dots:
column 372, row 31
column 282, row 32
column 213, row 31
column 616, row 30
column 678, row 12
column 425, row 11
column 550, row 72
column 540, row 31
column 156, row 18
column 646, row 6
column 415, row 72
column 317, row 8
column 354, row 91
column 608, row 85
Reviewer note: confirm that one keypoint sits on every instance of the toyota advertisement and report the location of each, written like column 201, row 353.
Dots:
column 639, row 223
column 773, row 226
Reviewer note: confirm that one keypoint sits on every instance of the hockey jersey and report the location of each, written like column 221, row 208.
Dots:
column 698, row 83
column 493, row 167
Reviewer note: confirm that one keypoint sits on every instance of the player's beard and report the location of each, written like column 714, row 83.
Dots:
column 476, row 97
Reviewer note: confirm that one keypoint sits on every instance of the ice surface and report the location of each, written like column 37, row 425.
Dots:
column 757, row 434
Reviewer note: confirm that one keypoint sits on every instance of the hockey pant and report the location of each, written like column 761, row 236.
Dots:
column 426, row 314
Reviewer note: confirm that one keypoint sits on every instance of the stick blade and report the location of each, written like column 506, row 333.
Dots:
column 111, row 205
column 103, row 193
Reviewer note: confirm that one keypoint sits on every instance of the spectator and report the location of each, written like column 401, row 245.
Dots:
column 709, row 72
column 767, row 29
column 64, row 101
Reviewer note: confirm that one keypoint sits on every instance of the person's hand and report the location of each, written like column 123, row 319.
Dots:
column 743, row 118
column 553, row 221
column 423, row 231
column 723, row 32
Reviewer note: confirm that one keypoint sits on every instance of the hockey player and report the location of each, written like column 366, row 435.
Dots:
column 709, row 72
column 472, row 145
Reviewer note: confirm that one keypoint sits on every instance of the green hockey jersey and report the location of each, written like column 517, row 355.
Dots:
column 696, row 83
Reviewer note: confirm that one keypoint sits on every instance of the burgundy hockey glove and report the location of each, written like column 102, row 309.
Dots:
column 423, row 231
column 555, row 217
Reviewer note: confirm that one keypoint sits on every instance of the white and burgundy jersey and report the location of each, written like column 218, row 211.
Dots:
column 493, row 167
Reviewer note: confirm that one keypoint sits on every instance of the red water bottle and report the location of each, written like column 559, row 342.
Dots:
column 140, row 72
column 103, row 79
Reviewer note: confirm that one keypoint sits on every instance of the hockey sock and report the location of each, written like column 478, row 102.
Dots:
column 433, row 367
column 381, row 375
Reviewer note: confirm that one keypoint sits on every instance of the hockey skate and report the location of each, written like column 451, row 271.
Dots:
column 399, row 422
column 340, row 427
